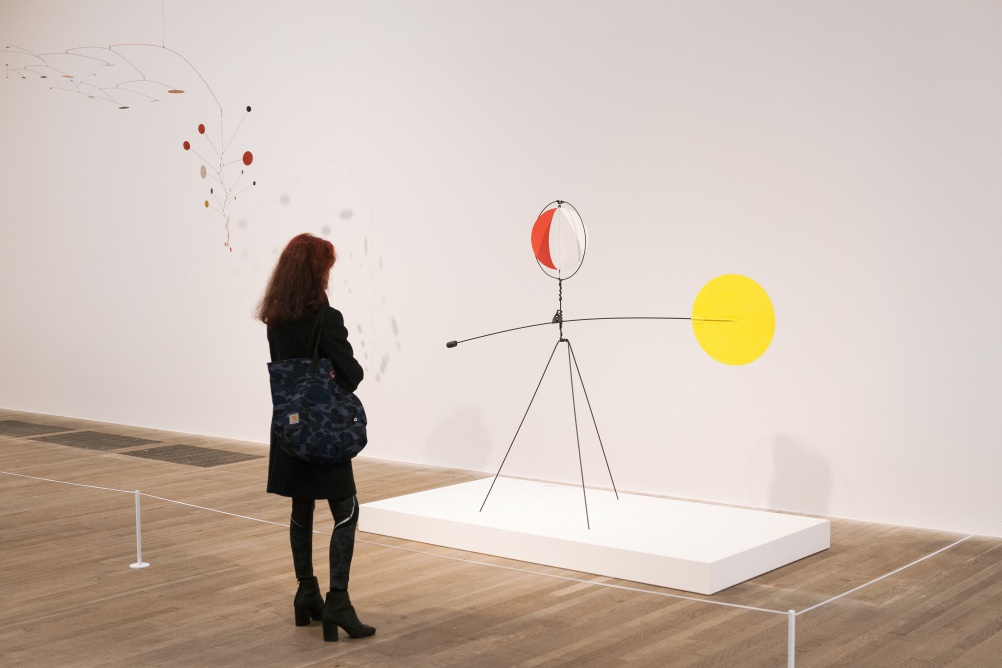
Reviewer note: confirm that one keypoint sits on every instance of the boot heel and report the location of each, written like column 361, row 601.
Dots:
column 338, row 611
column 309, row 603
column 303, row 616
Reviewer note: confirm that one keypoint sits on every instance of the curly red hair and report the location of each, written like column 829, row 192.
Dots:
column 296, row 288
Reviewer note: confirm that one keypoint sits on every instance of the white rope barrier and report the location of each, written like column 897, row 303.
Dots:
column 479, row 563
column 790, row 614
column 221, row 512
column 63, row 482
column 397, row 547
column 898, row 570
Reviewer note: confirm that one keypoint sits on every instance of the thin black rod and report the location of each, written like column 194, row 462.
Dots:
column 551, row 322
column 520, row 425
column 474, row 338
column 593, row 421
column 650, row 317
column 560, row 306
column 577, row 435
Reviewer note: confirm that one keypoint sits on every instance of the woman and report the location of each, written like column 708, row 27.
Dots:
column 290, row 308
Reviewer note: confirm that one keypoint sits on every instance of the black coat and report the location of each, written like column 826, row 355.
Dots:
column 297, row 478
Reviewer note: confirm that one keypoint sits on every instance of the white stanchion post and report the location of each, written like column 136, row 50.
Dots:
column 139, row 539
column 791, row 640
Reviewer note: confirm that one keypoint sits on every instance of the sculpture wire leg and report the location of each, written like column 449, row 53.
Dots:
column 519, row 426
column 577, row 435
column 569, row 347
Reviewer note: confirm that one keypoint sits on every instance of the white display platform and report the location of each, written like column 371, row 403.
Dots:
column 696, row 547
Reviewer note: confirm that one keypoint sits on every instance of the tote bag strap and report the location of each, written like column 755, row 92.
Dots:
column 318, row 329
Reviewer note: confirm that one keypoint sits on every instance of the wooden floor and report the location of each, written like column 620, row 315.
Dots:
column 219, row 590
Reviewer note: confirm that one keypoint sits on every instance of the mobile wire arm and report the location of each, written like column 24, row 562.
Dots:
column 453, row 344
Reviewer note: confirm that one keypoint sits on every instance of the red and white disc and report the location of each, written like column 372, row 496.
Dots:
column 559, row 240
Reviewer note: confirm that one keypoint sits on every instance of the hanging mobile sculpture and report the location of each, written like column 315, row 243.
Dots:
column 217, row 173
column 732, row 318
column 107, row 74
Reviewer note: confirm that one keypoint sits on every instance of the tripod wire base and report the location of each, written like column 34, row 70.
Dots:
column 572, row 366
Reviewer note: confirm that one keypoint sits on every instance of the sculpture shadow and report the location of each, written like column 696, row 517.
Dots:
column 801, row 477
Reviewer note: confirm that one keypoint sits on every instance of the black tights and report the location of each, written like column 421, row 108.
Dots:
column 345, row 512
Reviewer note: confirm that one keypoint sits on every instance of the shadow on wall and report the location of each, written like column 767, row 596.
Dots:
column 461, row 440
column 801, row 479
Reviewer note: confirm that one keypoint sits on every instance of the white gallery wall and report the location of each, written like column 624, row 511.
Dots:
column 845, row 155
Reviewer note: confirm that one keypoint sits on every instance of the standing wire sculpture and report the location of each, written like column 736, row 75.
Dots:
column 733, row 319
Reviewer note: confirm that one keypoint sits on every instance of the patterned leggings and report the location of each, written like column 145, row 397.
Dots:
column 345, row 512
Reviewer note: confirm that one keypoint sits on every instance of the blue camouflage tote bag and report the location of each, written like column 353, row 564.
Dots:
column 314, row 418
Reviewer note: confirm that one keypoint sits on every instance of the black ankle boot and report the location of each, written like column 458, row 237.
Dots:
column 309, row 602
column 339, row 611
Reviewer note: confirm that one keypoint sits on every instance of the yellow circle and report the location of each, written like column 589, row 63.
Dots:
column 733, row 319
